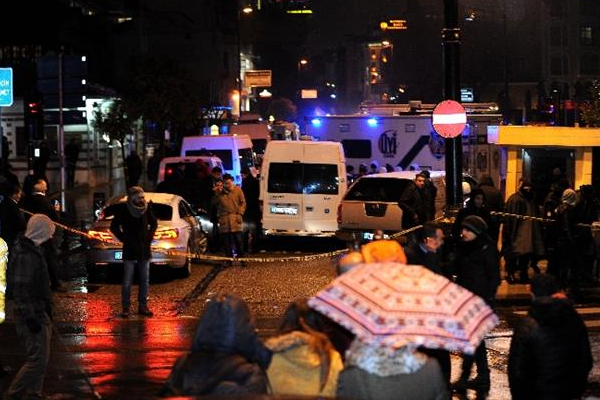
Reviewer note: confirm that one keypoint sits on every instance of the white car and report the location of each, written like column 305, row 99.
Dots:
column 179, row 229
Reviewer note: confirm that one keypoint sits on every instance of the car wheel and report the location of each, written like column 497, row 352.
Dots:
column 186, row 270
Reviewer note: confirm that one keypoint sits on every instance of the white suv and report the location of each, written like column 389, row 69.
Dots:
column 371, row 203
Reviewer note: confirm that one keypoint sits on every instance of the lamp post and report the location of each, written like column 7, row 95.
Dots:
column 245, row 10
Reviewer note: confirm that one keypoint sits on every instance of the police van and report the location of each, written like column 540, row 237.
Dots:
column 301, row 185
column 235, row 151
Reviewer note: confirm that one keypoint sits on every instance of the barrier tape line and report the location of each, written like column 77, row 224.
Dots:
column 593, row 227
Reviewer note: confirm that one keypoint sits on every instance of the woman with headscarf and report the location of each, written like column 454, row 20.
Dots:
column 375, row 372
column 134, row 225
column 567, row 259
column 304, row 360
column 226, row 357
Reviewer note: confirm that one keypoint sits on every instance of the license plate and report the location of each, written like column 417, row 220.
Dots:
column 118, row 255
column 284, row 209
column 368, row 235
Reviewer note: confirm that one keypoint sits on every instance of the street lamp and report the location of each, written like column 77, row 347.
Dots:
column 245, row 10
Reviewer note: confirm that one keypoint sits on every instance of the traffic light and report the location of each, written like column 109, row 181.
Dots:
column 34, row 108
column 34, row 118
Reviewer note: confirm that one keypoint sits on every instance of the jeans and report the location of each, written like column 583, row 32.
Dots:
column 30, row 377
column 480, row 359
column 143, row 269
column 234, row 244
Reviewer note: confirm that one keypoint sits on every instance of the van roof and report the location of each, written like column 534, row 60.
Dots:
column 404, row 175
column 189, row 159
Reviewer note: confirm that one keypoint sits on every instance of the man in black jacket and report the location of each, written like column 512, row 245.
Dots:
column 134, row 225
column 28, row 285
column 11, row 217
column 424, row 251
column 415, row 203
column 550, row 355
column 477, row 268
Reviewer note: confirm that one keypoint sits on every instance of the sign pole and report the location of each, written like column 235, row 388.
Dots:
column 61, row 133
column 451, row 63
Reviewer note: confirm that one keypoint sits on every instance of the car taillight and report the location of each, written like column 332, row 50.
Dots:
column 100, row 235
column 170, row 233
column 339, row 214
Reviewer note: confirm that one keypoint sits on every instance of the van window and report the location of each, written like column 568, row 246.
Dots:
column 246, row 159
column 378, row 189
column 357, row 148
column 187, row 170
column 303, row 178
column 259, row 145
column 224, row 154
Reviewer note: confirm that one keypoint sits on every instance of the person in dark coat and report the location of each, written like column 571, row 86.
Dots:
column 425, row 250
column 28, row 285
column 134, row 225
column 38, row 203
column 566, row 256
column 226, row 357
column 550, row 356
column 476, row 205
column 477, row 268
column 414, row 203
column 431, row 193
column 522, row 239
column 252, row 216
column 72, row 155
column 493, row 196
column 12, row 219
column 550, row 231
column 134, row 168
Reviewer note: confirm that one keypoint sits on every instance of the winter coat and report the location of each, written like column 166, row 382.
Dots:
column 415, row 206
column 251, row 189
column 493, row 196
column 226, row 358
column 521, row 237
column 470, row 209
column 477, row 267
column 136, row 234
column 231, row 206
column 28, row 283
column 381, row 374
column 550, row 355
column 12, row 221
column 296, row 368
column 416, row 255
column 40, row 204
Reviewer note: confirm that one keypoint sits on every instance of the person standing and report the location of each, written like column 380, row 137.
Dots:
column 134, row 226
column 11, row 216
column 72, row 154
column 522, row 238
column 415, row 203
column 231, row 205
column 431, row 194
column 252, row 217
column 134, row 168
column 567, row 258
column 477, row 268
column 476, row 205
column 28, row 285
column 549, row 356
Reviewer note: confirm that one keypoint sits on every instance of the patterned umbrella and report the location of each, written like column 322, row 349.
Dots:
column 396, row 304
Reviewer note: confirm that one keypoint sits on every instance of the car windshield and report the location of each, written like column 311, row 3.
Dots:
column 378, row 189
column 162, row 212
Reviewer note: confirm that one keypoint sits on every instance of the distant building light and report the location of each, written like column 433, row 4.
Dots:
column 309, row 94
column 333, row 96
column 122, row 20
column 316, row 122
column 83, row 81
column 265, row 93
column 299, row 11
column 385, row 42
column 372, row 121
column 247, row 9
column 303, row 61
column 83, row 58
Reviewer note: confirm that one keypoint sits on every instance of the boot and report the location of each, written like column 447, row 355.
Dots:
column 145, row 311
column 125, row 312
column 460, row 386
column 481, row 383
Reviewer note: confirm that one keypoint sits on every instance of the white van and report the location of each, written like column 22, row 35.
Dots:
column 301, row 186
column 234, row 151
column 188, row 165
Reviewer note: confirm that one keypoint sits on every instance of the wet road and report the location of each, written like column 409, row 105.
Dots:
column 131, row 358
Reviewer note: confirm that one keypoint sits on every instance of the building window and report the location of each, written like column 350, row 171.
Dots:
column 586, row 36
column 559, row 65
column 588, row 64
column 557, row 8
column 558, row 36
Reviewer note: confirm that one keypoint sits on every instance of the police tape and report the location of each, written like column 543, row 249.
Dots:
column 593, row 226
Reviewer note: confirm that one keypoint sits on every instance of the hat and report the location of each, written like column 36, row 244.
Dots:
column 544, row 285
column 475, row 224
column 39, row 229
column 134, row 191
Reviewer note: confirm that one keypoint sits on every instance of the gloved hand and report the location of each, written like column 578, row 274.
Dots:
column 33, row 325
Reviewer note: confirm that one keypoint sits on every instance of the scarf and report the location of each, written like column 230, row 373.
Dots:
column 384, row 361
column 133, row 195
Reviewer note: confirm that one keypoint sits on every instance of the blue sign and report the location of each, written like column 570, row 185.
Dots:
column 6, row 87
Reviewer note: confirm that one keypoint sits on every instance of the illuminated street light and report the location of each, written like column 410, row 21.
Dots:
column 385, row 42
column 303, row 61
column 247, row 9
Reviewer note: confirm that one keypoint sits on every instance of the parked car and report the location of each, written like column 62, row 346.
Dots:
column 371, row 203
column 180, row 228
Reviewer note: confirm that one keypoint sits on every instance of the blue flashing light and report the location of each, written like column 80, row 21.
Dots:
column 316, row 122
column 372, row 121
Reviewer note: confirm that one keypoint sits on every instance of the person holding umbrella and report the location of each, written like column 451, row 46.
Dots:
column 477, row 268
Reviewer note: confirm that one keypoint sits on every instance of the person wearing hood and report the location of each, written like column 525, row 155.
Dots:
column 477, row 269
column 375, row 372
column 304, row 361
column 476, row 205
column 522, row 239
column 134, row 225
column 549, row 356
column 226, row 357
column 566, row 259
column 28, row 286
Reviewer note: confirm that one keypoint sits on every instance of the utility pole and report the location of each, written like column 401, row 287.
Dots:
column 451, row 66
column 61, row 133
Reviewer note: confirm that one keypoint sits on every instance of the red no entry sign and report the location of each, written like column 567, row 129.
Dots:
column 449, row 119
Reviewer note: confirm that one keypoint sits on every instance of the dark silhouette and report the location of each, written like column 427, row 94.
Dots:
column 71, row 154
column 134, row 168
